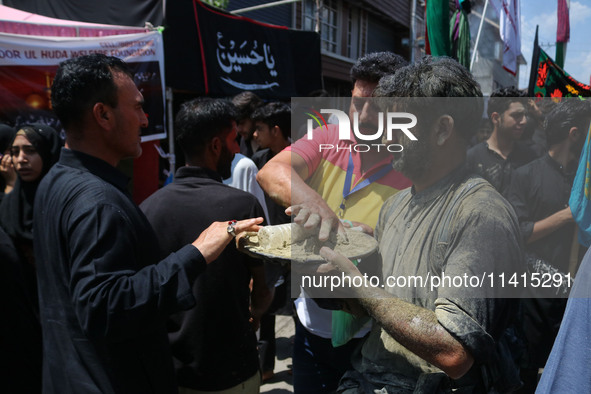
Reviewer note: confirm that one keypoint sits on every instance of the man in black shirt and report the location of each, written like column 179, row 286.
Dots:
column 540, row 193
column 496, row 158
column 104, row 295
column 213, row 344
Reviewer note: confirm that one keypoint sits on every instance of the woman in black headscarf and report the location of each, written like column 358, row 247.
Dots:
column 34, row 150
column 7, row 173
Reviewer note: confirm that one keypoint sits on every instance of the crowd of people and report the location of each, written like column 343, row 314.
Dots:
column 104, row 296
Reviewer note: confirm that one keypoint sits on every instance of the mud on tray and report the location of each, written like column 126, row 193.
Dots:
column 291, row 243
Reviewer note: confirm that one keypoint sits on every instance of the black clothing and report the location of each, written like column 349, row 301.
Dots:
column 20, row 332
column 16, row 209
column 213, row 344
column 6, row 136
column 276, row 212
column 491, row 166
column 262, row 156
column 104, row 296
column 538, row 190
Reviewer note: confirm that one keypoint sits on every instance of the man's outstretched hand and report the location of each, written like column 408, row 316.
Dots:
column 212, row 241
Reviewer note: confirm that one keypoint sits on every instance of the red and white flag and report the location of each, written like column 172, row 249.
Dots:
column 510, row 30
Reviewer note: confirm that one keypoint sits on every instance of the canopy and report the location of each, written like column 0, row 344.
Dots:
column 20, row 22
column 121, row 12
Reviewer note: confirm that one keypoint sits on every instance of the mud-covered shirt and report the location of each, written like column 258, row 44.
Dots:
column 458, row 226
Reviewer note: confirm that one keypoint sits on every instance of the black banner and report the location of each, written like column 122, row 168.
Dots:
column 548, row 79
column 223, row 54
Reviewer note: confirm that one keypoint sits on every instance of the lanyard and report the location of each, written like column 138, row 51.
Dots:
column 347, row 191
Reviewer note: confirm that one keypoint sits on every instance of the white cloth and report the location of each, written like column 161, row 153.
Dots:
column 317, row 320
column 244, row 177
column 510, row 30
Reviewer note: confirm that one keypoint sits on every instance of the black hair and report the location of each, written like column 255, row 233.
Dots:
column 571, row 112
column 500, row 100
column 429, row 79
column 6, row 136
column 82, row 82
column 246, row 103
column 373, row 66
column 200, row 120
column 275, row 114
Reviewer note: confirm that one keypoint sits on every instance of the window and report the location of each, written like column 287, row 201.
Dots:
column 328, row 22
column 309, row 18
column 340, row 26
column 329, row 26
column 353, row 36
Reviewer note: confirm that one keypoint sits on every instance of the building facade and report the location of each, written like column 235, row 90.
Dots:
column 348, row 30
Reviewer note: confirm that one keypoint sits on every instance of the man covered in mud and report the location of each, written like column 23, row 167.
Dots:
column 435, row 339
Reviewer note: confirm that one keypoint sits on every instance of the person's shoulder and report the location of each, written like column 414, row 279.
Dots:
column 240, row 201
column 526, row 149
column 261, row 157
column 78, row 184
column 81, row 194
column 223, row 192
column 156, row 197
column 242, row 162
column 529, row 168
column 477, row 149
column 475, row 153
column 259, row 154
column 476, row 196
column 396, row 199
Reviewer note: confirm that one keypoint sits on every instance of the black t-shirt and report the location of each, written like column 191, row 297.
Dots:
column 491, row 166
column 538, row 190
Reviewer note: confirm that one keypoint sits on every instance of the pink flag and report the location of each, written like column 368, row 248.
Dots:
column 563, row 26
column 510, row 30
